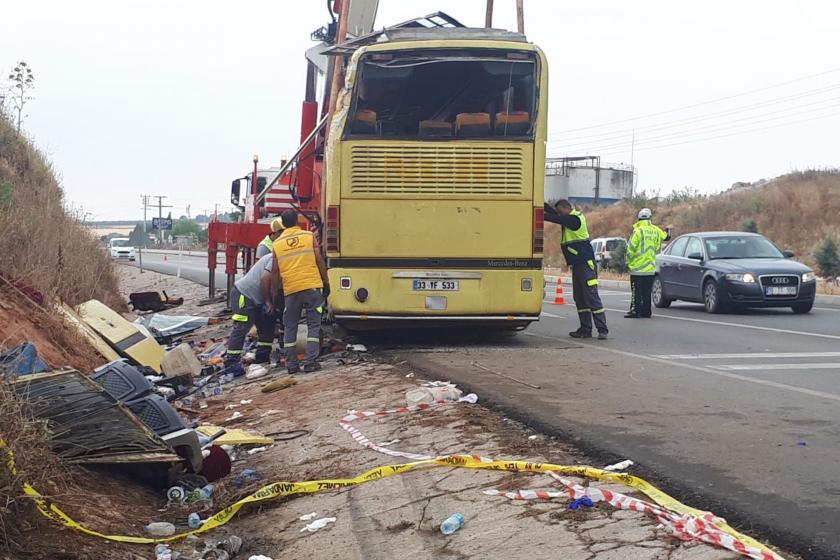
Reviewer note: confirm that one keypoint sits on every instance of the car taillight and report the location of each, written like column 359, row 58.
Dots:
column 333, row 220
column 537, row 245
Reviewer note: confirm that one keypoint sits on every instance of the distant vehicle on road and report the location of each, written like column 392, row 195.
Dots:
column 121, row 248
column 603, row 247
column 728, row 270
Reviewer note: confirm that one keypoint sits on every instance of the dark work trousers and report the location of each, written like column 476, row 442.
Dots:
column 247, row 313
column 312, row 303
column 640, row 288
column 587, row 300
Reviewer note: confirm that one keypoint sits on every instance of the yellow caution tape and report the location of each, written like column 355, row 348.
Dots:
column 277, row 489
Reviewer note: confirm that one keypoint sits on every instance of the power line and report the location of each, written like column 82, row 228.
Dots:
column 713, row 115
column 779, row 125
column 746, row 121
column 709, row 102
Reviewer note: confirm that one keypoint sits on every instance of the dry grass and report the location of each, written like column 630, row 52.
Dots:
column 42, row 244
column 796, row 211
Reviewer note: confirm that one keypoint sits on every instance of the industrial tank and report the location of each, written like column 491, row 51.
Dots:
column 585, row 180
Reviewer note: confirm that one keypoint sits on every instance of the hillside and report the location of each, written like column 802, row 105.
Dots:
column 796, row 211
column 42, row 245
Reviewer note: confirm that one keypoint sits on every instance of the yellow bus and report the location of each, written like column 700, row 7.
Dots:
column 434, row 169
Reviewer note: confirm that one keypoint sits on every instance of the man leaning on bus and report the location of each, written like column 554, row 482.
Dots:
column 303, row 274
column 579, row 255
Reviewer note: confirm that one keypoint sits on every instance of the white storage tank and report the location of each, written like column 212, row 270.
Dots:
column 585, row 180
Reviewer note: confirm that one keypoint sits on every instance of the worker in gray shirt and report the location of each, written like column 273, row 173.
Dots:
column 252, row 304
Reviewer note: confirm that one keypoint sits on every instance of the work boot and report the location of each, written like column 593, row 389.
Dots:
column 292, row 369
column 262, row 355
column 580, row 333
column 631, row 315
column 603, row 335
column 309, row 368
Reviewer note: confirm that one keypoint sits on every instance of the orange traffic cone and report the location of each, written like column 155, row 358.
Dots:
column 558, row 295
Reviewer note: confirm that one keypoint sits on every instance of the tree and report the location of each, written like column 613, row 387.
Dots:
column 749, row 226
column 22, row 81
column 828, row 261
column 618, row 258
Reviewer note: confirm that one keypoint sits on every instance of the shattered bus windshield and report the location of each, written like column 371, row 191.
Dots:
column 445, row 94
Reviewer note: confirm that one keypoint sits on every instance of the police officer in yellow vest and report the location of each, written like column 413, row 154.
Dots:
column 641, row 260
column 303, row 274
column 266, row 246
column 578, row 253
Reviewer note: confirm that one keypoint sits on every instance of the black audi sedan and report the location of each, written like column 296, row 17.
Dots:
column 727, row 270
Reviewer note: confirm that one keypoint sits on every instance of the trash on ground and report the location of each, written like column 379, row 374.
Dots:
column 163, row 552
column 180, row 360
column 247, row 475
column 22, row 360
column 452, row 524
column 277, row 384
column 235, row 416
column 255, row 371
column 160, row 529
column 308, row 516
column 620, row 466
column 318, row 524
column 256, row 450
column 152, row 301
column 472, row 398
column 235, row 436
column 409, row 375
column 122, row 334
column 194, row 521
column 216, row 350
column 166, row 327
column 586, row 501
column 246, row 401
column 533, row 437
column 387, row 443
column 432, row 393
column 357, row 348
column 176, row 494
column 259, row 557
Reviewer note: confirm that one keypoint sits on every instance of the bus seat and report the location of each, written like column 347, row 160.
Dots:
column 515, row 123
column 364, row 122
column 435, row 129
column 472, row 125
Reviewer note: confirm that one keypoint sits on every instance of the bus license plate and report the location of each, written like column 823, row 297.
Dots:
column 780, row 291
column 436, row 285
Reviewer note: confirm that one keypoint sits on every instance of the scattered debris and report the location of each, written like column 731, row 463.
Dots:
column 432, row 392
column 166, row 327
column 452, row 524
column 123, row 335
column 308, row 516
column 180, row 360
column 153, row 301
column 586, row 501
column 318, row 524
column 160, row 529
column 620, row 466
column 21, row 360
column 356, row 348
column 256, row 450
column 276, row 385
column 235, row 436
column 255, row 371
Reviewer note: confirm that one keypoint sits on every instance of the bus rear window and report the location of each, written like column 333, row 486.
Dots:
column 444, row 94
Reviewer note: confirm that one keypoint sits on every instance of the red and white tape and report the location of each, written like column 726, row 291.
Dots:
column 683, row 527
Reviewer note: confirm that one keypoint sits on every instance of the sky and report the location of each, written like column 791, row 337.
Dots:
column 174, row 98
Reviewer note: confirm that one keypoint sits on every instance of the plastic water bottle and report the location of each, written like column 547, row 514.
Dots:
column 452, row 524
column 160, row 529
column 162, row 552
column 194, row 521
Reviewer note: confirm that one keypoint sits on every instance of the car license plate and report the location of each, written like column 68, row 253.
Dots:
column 436, row 285
column 780, row 291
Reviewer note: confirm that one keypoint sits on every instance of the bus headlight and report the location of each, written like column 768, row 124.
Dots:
column 809, row 277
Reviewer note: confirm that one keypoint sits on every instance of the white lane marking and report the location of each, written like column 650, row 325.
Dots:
column 775, row 385
column 759, row 367
column 748, row 355
column 552, row 315
column 739, row 325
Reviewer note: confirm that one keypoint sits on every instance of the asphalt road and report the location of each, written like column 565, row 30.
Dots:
column 193, row 267
column 737, row 413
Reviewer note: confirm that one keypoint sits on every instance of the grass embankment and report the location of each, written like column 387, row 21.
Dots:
column 42, row 247
column 796, row 211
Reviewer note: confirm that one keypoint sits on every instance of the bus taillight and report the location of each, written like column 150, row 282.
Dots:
column 538, row 231
column 332, row 239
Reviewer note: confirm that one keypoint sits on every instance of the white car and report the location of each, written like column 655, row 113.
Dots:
column 121, row 248
column 603, row 246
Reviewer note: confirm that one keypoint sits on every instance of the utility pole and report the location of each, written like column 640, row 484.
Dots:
column 161, row 206
column 520, row 16
column 488, row 16
column 145, row 199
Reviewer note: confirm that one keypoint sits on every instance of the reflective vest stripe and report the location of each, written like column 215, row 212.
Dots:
column 643, row 246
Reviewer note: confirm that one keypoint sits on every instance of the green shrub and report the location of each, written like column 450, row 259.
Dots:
column 828, row 261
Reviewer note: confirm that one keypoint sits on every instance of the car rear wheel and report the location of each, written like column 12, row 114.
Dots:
column 802, row 307
column 658, row 294
column 711, row 297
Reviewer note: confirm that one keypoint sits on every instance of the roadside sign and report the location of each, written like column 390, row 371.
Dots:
column 162, row 223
